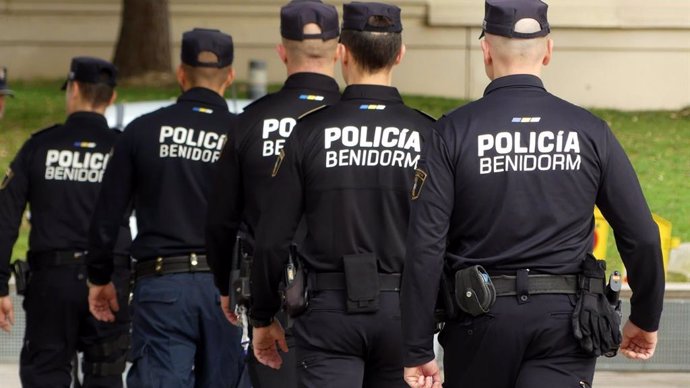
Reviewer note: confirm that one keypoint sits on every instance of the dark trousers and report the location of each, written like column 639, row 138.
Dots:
column 180, row 337
column 265, row 377
column 516, row 345
column 340, row 350
column 58, row 324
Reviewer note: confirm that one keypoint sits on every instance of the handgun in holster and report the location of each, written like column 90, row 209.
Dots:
column 240, row 273
column 613, row 292
column 294, row 291
column 446, row 309
column 22, row 272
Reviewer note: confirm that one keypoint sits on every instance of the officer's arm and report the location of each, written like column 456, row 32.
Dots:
column 112, row 205
column 277, row 226
column 622, row 203
column 426, row 244
column 13, row 193
column 224, row 214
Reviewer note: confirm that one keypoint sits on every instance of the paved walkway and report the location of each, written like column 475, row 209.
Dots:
column 9, row 379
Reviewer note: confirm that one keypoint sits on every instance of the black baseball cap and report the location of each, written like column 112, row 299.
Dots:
column 198, row 40
column 500, row 17
column 356, row 16
column 298, row 13
column 4, row 88
column 91, row 70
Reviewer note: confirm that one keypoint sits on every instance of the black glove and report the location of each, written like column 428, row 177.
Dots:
column 596, row 324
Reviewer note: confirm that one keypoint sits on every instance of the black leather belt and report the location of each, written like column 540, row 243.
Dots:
column 537, row 284
column 49, row 259
column 336, row 281
column 172, row 264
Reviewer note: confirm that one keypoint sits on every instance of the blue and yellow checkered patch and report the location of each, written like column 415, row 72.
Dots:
column 526, row 119
column 202, row 110
column 84, row 144
column 311, row 97
column 372, row 107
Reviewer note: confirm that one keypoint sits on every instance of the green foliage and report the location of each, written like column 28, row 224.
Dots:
column 658, row 143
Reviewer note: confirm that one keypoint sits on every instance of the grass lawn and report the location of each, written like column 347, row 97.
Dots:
column 658, row 144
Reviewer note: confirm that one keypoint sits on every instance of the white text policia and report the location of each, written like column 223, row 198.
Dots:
column 401, row 147
column 536, row 151
column 189, row 144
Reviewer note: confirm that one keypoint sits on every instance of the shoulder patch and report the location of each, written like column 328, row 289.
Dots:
column 312, row 111
column 278, row 163
column 419, row 179
column 9, row 174
column 40, row 131
column 432, row 118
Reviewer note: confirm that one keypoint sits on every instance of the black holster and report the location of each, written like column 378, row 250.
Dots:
column 474, row 292
column 295, row 293
column 595, row 321
column 240, row 274
column 361, row 283
column 446, row 308
column 22, row 273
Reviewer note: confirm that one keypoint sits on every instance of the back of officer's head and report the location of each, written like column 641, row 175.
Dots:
column 516, row 37
column 90, row 84
column 372, row 33
column 309, row 31
column 206, row 58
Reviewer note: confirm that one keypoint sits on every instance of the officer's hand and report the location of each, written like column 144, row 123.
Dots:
column 264, row 344
column 423, row 376
column 227, row 311
column 638, row 344
column 6, row 313
column 103, row 302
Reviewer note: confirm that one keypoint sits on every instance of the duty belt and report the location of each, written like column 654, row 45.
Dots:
column 322, row 281
column 49, row 259
column 171, row 264
column 536, row 284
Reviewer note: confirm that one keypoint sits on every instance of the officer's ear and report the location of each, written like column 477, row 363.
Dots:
column 401, row 54
column 342, row 54
column 113, row 98
column 486, row 51
column 231, row 76
column 282, row 52
column 549, row 52
column 181, row 76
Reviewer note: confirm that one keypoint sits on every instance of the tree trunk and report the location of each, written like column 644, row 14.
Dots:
column 144, row 43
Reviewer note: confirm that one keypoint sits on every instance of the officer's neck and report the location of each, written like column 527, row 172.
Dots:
column 383, row 78
column 501, row 70
column 84, row 107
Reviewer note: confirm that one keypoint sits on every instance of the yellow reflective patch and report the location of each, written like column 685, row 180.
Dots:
column 419, row 179
column 8, row 177
column 279, row 162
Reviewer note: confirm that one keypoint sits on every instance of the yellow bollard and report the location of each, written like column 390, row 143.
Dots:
column 601, row 235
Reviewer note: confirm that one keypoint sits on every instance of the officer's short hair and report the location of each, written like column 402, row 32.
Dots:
column 371, row 31
column 373, row 50
column 96, row 78
column 206, row 74
column 99, row 93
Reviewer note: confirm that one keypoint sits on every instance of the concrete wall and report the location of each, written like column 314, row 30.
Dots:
column 627, row 54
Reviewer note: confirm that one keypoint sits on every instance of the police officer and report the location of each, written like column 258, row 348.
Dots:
column 58, row 173
column 348, row 169
column 309, row 31
column 511, row 182
column 4, row 90
column 163, row 165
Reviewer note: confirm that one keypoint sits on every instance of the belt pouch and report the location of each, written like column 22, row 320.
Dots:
column 362, row 283
column 474, row 291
